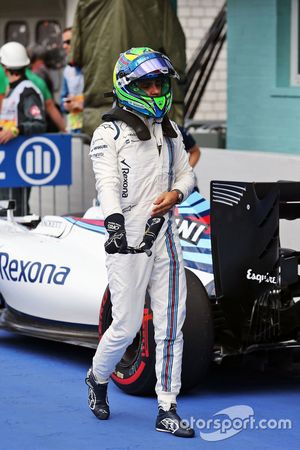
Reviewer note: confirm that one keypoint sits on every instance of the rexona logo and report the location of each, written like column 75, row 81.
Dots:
column 125, row 172
column 31, row 271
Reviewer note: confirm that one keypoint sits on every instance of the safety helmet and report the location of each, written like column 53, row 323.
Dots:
column 138, row 64
column 13, row 55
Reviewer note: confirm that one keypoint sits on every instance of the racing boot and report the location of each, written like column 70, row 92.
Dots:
column 170, row 422
column 97, row 396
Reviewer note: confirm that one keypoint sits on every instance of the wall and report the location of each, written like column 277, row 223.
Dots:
column 263, row 111
column 70, row 12
column 31, row 12
column 196, row 16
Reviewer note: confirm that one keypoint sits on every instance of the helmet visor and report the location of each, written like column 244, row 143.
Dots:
column 141, row 85
column 157, row 64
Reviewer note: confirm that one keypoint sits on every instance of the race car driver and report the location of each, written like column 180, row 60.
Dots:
column 22, row 108
column 142, row 172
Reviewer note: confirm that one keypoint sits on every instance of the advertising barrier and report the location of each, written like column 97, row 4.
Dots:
column 40, row 160
column 55, row 166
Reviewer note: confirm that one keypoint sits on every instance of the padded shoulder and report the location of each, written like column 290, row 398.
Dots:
column 137, row 124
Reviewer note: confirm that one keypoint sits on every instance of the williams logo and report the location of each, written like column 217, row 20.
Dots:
column 125, row 172
column 31, row 271
column 190, row 230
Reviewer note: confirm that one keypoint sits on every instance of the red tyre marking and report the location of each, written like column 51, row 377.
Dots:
column 145, row 345
column 104, row 300
column 131, row 379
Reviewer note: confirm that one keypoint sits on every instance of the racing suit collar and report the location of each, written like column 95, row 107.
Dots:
column 139, row 123
column 144, row 118
column 167, row 128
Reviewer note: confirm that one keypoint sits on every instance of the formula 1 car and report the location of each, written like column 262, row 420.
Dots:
column 243, row 288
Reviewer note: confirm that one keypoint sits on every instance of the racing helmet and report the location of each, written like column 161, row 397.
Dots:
column 13, row 55
column 140, row 63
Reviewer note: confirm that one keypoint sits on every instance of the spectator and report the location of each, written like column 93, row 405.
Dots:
column 22, row 110
column 72, row 89
column 55, row 121
column 3, row 85
column 190, row 146
column 37, row 54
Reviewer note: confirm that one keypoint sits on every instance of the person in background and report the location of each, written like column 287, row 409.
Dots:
column 40, row 76
column 3, row 85
column 37, row 55
column 103, row 29
column 72, row 90
column 54, row 119
column 142, row 172
column 22, row 109
column 191, row 146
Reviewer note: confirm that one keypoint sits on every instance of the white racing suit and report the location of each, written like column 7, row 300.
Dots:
column 130, row 175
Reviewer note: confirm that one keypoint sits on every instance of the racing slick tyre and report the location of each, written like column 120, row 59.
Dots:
column 135, row 373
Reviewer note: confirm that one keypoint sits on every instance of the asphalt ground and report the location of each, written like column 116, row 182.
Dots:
column 43, row 405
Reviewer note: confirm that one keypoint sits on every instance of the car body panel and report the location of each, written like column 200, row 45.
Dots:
column 56, row 272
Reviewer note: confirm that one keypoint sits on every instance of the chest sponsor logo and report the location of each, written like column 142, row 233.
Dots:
column 100, row 147
column 130, row 137
column 97, row 151
column 107, row 126
column 125, row 172
column 31, row 271
column 98, row 155
column 128, row 208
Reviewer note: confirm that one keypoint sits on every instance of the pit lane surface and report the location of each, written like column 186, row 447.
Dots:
column 43, row 404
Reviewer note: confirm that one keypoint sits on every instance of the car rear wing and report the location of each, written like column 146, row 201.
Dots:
column 289, row 197
column 245, row 242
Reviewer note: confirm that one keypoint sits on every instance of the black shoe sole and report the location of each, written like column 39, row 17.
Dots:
column 104, row 417
column 176, row 435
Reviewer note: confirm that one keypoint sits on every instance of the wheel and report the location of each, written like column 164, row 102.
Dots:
column 135, row 373
column 197, row 333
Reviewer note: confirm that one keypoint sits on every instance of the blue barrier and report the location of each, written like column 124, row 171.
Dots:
column 39, row 160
